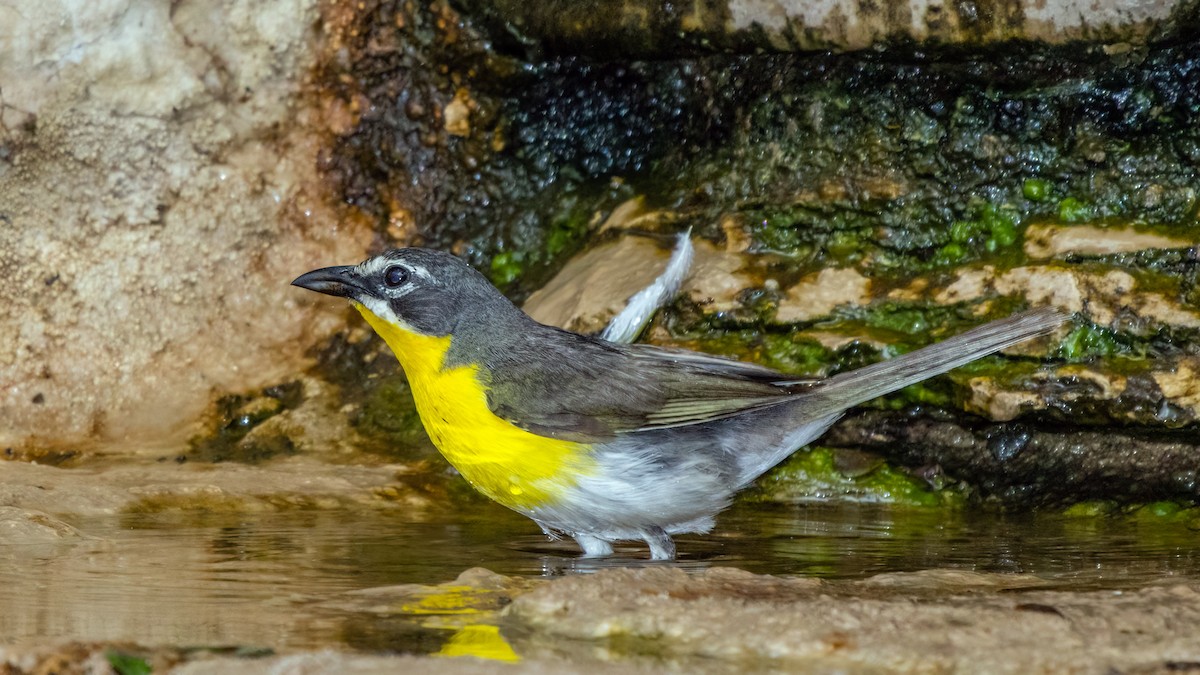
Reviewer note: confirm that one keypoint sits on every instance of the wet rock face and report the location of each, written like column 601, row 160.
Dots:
column 914, row 160
column 446, row 143
column 157, row 193
column 849, row 205
column 625, row 28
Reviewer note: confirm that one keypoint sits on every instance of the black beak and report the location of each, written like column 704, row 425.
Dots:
column 344, row 281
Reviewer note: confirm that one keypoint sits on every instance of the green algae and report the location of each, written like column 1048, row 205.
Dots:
column 1035, row 189
column 1150, row 514
column 1090, row 509
column 1072, row 210
column 1089, row 341
column 992, row 229
column 506, row 267
column 813, row 474
column 124, row 663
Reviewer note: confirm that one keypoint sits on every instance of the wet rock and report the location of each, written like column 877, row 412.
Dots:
column 21, row 526
column 303, row 416
column 1008, row 442
column 1056, row 464
column 621, row 27
column 147, row 486
column 855, row 464
column 740, row 619
column 159, row 190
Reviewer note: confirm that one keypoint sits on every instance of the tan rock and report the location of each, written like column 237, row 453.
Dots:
column 1059, row 287
column 1104, row 386
column 970, row 284
column 1051, row 241
column 1099, row 294
column 293, row 482
column 625, row 214
column 22, row 526
column 595, row 285
column 999, row 403
column 915, row 290
column 154, row 216
column 717, row 277
column 1182, row 385
column 819, row 294
column 457, row 114
column 737, row 238
column 831, row 340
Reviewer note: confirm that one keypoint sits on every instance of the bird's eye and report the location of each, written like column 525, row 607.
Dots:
column 395, row 276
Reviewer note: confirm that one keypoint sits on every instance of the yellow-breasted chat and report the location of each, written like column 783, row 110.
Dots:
column 598, row 440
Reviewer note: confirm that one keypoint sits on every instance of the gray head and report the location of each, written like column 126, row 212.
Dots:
column 418, row 289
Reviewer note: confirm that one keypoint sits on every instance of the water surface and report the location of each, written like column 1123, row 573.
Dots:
column 274, row 580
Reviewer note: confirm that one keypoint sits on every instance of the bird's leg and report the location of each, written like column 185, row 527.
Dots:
column 662, row 547
column 593, row 547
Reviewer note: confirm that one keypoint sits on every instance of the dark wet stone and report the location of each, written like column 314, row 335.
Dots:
column 854, row 463
column 1055, row 465
column 1008, row 442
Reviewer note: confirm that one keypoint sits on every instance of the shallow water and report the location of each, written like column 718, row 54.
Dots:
column 275, row 580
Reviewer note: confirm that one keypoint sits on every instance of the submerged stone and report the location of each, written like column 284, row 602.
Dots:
column 739, row 618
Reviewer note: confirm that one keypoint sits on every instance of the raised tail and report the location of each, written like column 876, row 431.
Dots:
column 859, row 386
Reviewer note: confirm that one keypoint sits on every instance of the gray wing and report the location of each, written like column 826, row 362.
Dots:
column 580, row 388
column 562, row 384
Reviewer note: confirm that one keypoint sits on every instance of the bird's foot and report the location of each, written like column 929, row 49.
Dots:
column 593, row 547
column 662, row 547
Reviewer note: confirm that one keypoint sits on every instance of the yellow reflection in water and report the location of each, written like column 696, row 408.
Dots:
column 482, row 642
column 448, row 600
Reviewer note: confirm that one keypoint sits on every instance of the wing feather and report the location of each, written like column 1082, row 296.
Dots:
column 576, row 387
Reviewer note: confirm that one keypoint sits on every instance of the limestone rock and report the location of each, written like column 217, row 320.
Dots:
column 158, row 191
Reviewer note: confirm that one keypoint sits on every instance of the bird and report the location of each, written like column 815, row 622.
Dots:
column 601, row 441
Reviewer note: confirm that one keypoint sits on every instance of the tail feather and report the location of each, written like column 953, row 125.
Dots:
column 859, row 386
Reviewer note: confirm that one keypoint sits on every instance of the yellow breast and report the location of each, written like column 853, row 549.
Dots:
column 519, row 469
